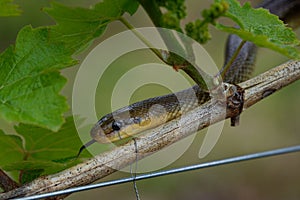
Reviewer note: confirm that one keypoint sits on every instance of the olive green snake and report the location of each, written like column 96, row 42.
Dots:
column 140, row 116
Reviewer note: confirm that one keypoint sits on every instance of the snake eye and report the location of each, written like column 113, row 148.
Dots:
column 116, row 126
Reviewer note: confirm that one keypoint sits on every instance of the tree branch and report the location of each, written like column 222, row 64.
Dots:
column 154, row 140
column 6, row 183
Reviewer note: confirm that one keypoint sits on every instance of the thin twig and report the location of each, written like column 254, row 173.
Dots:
column 143, row 39
column 102, row 165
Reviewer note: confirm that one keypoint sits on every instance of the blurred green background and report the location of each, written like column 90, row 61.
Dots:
column 272, row 123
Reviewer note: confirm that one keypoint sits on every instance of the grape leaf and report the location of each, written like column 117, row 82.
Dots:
column 61, row 144
column 29, row 175
column 45, row 151
column 30, row 81
column 262, row 28
column 116, row 8
column 7, row 8
column 77, row 27
column 11, row 148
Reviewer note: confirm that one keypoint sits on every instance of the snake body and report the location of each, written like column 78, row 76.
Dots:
column 153, row 112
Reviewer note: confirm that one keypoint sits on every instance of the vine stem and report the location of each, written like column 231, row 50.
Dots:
column 143, row 39
column 187, row 68
column 233, row 57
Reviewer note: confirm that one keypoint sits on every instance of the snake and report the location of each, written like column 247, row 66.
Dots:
column 147, row 114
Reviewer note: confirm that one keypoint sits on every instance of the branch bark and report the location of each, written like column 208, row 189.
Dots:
column 154, row 140
column 6, row 183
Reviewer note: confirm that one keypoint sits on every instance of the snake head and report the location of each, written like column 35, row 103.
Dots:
column 129, row 121
column 108, row 129
column 117, row 126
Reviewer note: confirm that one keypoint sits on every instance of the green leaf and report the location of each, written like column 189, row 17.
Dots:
column 45, row 151
column 7, row 8
column 11, row 148
column 48, row 145
column 78, row 27
column 262, row 28
column 30, row 81
column 116, row 8
column 30, row 175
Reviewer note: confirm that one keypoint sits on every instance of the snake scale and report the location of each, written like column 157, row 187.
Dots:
column 149, row 113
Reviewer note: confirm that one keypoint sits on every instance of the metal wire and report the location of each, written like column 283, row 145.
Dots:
column 171, row 171
column 133, row 174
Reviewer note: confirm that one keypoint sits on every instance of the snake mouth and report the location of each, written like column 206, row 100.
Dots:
column 98, row 134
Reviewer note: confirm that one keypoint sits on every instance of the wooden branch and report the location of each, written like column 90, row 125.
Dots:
column 154, row 140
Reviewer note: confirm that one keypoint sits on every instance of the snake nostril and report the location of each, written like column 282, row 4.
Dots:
column 137, row 120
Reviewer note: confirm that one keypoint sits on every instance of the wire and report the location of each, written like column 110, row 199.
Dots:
column 133, row 174
column 168, row 172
